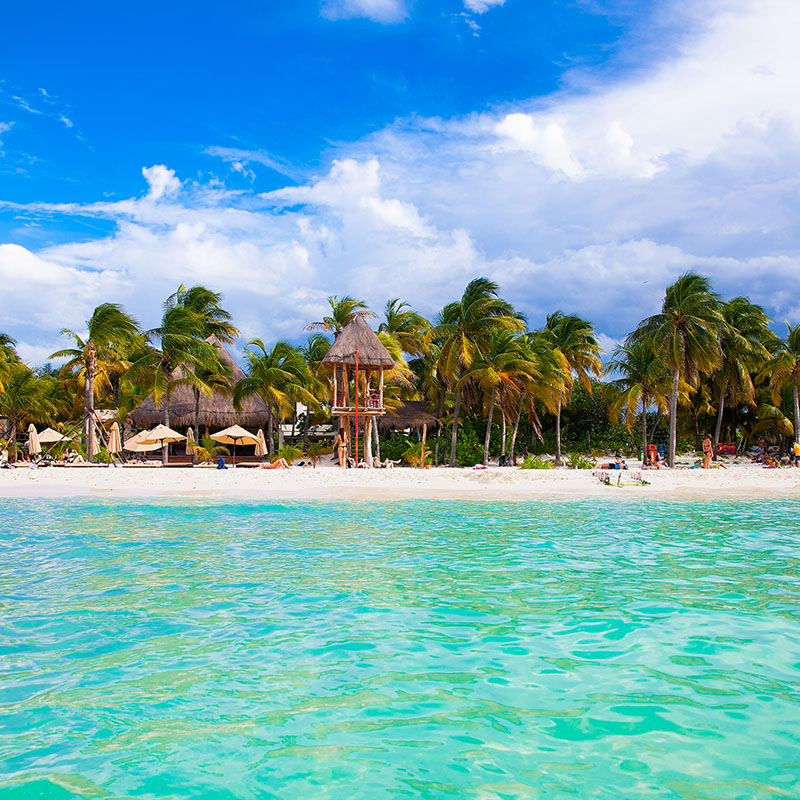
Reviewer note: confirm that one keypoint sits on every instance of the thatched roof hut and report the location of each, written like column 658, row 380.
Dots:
column 358, row 334
column 410, row 414
column 215, row 412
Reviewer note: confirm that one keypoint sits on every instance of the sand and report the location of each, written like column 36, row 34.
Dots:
column 739, row 481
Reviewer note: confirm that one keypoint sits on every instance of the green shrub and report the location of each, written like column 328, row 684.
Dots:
column 534, row 462
column 578, row 461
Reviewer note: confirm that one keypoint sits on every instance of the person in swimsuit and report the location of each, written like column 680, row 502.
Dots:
column 796, row 453
column 708, row 451
column 340, row 444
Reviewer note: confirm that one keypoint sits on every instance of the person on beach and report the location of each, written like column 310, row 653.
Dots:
column 708, row 451
column 796, row 453
column 340, row 445
column 279, row 463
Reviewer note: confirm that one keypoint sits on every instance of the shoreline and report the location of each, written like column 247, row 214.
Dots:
column 496, row 484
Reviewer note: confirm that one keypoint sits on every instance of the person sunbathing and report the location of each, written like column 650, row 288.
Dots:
column 279, row 463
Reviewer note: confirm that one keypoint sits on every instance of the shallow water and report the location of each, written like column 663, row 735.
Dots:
column 430, row 650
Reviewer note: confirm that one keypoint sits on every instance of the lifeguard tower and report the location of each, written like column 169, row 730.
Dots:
column 358, row 360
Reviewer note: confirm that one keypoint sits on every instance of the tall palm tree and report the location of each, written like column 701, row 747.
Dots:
column 94, row 357
column 644, row 383
column 342, row 311
column 743, row 340
column 784, row 368
column 686, row 335
column 278, row 376
column 8, row 356
column 314, row 350
column 408, row 328
column 464, row 329
column 576, row 340
column 25, row 397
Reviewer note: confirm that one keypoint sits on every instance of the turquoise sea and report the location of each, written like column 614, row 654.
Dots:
column 171, row 650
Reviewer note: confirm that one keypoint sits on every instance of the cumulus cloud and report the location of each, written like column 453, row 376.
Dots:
column 590, row 203
column 385, row 11
column 481, row 6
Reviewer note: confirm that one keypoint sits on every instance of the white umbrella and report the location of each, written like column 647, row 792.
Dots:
column 34, row 448
column 261, row 447
column 191, row 444
column 163, row 435
column 136, row 443
column 49, row 436
column 234, row 435
column 114, row 439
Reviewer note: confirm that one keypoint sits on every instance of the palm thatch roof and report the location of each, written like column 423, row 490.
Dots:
column 410, row 414
column 215, row 412
column 357, row 334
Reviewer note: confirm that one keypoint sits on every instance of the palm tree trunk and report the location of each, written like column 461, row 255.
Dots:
column 503, row 436
column 270, row 430
column 454, row 434
column 439, row 424
column 513, row 447
column 368, row 441
column 488, row 429
column 796, row 409
column 294, row 420
column 88, row 404
column 306, row 424
column 644, row 429
column 720, row 409
column 165, row 446
column 376, row 440
column 196, row 422
column 558, row 433
column 673, row 418
column 13, row 441
column 281, row 440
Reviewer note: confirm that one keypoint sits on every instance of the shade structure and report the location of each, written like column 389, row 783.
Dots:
column 234, row 435
column 162, row 435
column 49, row 436
column 34, row 448
column 136, row 443
column 357, row 335
column 261, row 447
column 190, row 442
column 408, row 414
column 114, row 439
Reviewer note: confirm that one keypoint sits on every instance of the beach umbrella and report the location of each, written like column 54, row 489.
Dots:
column 234, row 435
column 261, row 447
column 190, row 442
column 163, row 435
column 49, row 436
column 34, row 448
column 136, row 443
column 114, row 439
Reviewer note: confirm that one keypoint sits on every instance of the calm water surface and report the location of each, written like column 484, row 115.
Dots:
column 423, row 650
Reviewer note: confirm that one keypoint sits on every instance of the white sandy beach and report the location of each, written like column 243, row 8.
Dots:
column 739, row 481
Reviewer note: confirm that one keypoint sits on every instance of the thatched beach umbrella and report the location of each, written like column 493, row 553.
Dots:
column 261, row 447
column 114, row 439
column 34, row 448
column 234, row 435
column 163, row 435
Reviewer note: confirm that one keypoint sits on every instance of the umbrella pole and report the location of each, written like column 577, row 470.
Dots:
column 356, row 442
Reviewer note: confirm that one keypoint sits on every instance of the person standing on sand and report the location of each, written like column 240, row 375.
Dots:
column 796, row 453
column 708, row 452
column 340, row 444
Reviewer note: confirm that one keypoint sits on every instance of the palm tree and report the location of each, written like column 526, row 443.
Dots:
column 342, row 311
column 742, row 342
column 409, row 329
column 25, row 397
column 277, row 376
column 314, row 350
column 644, row 380
column 575, row 339
column 8, row 356
column 686, row 336
column 464, row 329
column 94, row 357
column 784, row 368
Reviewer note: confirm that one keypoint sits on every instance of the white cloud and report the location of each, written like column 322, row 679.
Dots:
column 385, row 11
column 162, row 181
column 68, row 123
column 481, row 6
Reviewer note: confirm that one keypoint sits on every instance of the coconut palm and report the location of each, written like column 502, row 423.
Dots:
column 314, row 350
column 25, row 398
column 575, row 339
column 8, row 356
column 784, row 369
column 342, row 311
column 743, row 353
column 98, row 355
column 278, row 376
column 644, row 383
column 206, row 304
column 686, row 336
column 464, row 329
column 409, row 329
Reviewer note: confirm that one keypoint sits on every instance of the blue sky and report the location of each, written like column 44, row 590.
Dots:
column 581, row 153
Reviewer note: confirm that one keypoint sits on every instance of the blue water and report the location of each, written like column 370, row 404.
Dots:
column 417, row 650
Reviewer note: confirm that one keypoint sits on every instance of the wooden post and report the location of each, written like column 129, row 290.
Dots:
column 356, row 441
column 381, row 390
column 335, row 387
column 424, row 437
